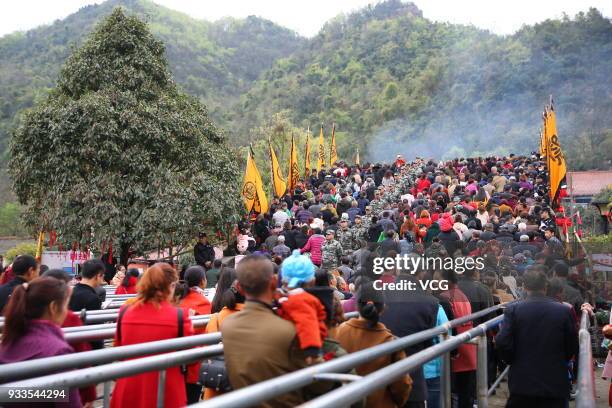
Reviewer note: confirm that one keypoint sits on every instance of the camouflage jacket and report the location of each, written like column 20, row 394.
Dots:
column 331, row 252
column 346, row 238
column 360, row 232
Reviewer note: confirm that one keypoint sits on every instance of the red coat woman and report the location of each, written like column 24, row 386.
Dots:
column 128, row 285
column 192, row 298
column 152, row 317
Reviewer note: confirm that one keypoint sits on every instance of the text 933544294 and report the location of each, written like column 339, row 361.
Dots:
column 31, row 394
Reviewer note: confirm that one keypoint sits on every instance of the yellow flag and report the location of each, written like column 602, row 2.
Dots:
column 321, row 152
column 554, row 155
column 333, row 153
column 294, row 172
column 253, row 193
column 278, row 181
column 357, row 158
column 307, row 155
column 39, row 245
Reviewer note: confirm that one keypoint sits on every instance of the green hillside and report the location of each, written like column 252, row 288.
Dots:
column 391, row 79
column 397, row 82
column 214, row 61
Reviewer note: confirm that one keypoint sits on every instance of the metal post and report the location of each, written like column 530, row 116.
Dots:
column 445, row 377
column 161, row 388
column 107, row 389
column 481, row 372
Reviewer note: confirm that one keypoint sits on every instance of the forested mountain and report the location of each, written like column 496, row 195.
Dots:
column 214, row 61
column 391, row 79
column 397, row 82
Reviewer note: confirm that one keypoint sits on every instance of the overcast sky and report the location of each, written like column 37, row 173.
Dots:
column 307, row 17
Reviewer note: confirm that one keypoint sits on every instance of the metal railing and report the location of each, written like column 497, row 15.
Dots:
column 334, row 369
column 361, row 388
column 262, row 391
column 47, row 365
column 109, row 372
column 585, row 397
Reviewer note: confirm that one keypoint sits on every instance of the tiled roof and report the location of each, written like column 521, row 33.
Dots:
column 588, row 182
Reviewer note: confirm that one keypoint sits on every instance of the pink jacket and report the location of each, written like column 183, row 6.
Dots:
column 607, row 371
column 313, row 245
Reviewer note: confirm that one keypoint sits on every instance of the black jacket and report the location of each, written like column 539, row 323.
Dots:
column 479, row 296
column 6, row 290
column 203, row 253
column 389, row 244
column 84, row 297
column 408, row 312
column 537, row 338
column 450, row 240
column 289, row 238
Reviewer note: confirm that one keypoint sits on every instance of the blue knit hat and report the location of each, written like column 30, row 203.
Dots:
column 297, row 269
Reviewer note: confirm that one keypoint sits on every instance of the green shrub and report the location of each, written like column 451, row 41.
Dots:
column 24, row 248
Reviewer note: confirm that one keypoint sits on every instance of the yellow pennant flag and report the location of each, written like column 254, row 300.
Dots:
column 321, row 152
column 333, row 153
column 307, row 167
column 278, row 181
column 39, row 245
column 294, row 172
column 253, row 193
column 554, row 155
column 357, row 158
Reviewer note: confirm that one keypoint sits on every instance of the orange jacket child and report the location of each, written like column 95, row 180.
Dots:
column 300, row 307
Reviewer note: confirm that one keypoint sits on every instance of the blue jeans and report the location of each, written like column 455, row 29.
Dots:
column 433, row 392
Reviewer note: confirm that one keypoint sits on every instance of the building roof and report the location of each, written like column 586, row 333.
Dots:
column 588, row 183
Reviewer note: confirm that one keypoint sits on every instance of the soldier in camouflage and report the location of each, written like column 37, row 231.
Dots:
column 345, row 237
column 360, row 232
column 366, row 220
column 331, row 251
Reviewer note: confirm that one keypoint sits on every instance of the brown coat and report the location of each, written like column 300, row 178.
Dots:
column 259, row 345
column 355, row 335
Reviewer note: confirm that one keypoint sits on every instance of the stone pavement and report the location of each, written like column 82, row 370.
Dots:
column 601, row 387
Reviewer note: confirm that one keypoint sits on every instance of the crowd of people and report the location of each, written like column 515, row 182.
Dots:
column 300, row 267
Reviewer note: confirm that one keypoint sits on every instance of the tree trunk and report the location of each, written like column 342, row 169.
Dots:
column 124, row 255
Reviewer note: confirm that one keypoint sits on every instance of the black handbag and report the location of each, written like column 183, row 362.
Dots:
column 213, row 374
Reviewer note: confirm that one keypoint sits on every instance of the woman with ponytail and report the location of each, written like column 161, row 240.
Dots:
column 366, row 331
column 190, row 296
column 32, row 327
column 128, row 284
column 151, row 317
column 228, row 300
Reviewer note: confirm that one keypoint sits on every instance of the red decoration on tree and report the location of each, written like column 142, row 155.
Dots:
column 52, row 239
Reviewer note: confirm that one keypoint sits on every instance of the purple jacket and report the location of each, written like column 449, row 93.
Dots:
column 42, row 339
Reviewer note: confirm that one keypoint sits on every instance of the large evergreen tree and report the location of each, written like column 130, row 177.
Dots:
column 117, row 153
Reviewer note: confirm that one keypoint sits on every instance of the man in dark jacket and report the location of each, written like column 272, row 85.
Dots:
column 389, row 245
column 203, row 252
column 25, row 269
column 570, row 294
column 408, row 312
column 85, row 294
column 478, row 294
column 537, row 338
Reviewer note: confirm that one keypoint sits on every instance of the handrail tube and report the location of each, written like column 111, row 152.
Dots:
column 497, row 381
column 359, row 389
column 274, row 387
column 585, row 396
column 100, row 374
column 46, row 365
column 103, row 334
column 111, row 318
